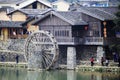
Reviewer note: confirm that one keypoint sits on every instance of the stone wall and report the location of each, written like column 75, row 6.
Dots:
column 11, row 57
column 62, row 59
column 11, row 48
column 16, row 47
column 83, row 53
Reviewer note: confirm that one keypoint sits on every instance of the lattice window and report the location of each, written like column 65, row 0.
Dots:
column 94, row 29
column 64, row 33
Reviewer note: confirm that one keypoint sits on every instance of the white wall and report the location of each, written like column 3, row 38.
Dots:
column 61, row 5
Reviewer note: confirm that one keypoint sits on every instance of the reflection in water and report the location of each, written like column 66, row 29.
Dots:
column 2, row 74
column 46, row 75
column 71, row 75
column 21, row 74
column 95, row 77
column 17, row 74
column 32, row 75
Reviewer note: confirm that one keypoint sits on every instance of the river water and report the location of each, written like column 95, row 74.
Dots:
column 23, row 74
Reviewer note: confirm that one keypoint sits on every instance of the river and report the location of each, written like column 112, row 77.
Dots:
column 24, row 74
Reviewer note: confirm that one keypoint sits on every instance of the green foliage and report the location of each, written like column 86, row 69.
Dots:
column 116, row 45
column 118, row 6
column 99, row 69
column 118, row 14
column 117, row 20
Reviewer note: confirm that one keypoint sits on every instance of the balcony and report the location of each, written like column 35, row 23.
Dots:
column 65, row 41
column 78, row 41
column 71, row 40
column 18, row 36
column 93, row 41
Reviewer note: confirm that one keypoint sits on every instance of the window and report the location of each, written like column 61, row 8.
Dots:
column 63, row 33
column 94, row 29
column 77, row 33
column 55, row 6
column 17, row 4
column 90, row 33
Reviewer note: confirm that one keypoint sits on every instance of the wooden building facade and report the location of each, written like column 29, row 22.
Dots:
column 86, row 29
column 14, row 13
column 11, row 30
column 80, row 29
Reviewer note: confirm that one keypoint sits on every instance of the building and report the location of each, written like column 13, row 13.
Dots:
column 29, row 4
column 15, row 11
column 97, row 3
column 61, row 5
column 7, row 27
column 10, row 30
column 3, row 13
column 89, row 30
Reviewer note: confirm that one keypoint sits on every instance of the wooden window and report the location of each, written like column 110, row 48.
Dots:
column 55, row 33
column 94, row 28
column 67, row 33
column 63, row 33
column 55, row 6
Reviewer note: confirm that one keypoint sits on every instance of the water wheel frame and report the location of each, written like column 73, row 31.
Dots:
column 44, row 42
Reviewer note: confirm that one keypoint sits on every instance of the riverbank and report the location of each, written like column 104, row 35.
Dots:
column 99, row 68
column 13, row 64
column 83, row 68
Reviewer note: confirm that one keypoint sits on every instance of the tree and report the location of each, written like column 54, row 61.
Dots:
column 116, row 46
column 117, row 21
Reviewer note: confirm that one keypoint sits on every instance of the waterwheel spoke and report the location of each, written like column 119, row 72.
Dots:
column 43, row 62
column 47, row 60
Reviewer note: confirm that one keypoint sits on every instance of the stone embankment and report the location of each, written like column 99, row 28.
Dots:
column 10, row 49
column 85, row 66
column 99, row 68
column 13, row 64
column 112, row 67
column 96, row 68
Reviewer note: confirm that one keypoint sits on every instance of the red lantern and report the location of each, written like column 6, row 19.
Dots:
column 86, row 27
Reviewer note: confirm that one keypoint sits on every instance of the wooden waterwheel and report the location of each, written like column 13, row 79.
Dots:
column 41, row 50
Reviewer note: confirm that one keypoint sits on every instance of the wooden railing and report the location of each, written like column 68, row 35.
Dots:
column 18, row 36
column 94, row 40
column 76, row 40
column 70, row 40
column 6, row 37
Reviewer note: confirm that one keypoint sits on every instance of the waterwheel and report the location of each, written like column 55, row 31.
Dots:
column 41, row 50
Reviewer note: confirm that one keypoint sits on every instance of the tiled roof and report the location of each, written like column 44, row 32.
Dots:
column 28, row 20
column 7, row 9
column 28, row 2
column 97, row 13
column 24, row 3
column 73, row 18
column 10, row 24
column 114, row 2
column 111, row 10
column 31, row 11
column 11, row 1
